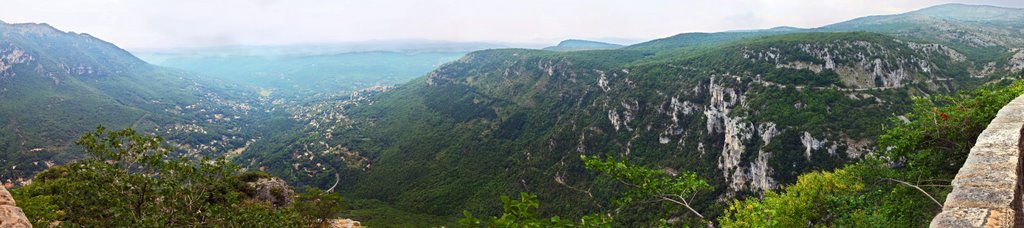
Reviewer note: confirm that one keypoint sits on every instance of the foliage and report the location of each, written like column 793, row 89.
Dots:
column 318, row 207
column 798, row 205
column 522, row 213
column 897, row 188
column 374, row 213
column 943, row 128
column 501, row 121
column 646, row 184
column 130, row 180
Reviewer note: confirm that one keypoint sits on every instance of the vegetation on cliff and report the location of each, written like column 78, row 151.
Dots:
column 903, row 185
column 131, row 180
column 636, row 187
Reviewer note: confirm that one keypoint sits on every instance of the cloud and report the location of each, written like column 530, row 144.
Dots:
column 196, row 23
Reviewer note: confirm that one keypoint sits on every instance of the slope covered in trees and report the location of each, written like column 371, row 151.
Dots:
column 55, row 86
column 747, row 111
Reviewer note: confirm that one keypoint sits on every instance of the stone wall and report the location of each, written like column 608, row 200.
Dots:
column 10, row 214
column 987, row 189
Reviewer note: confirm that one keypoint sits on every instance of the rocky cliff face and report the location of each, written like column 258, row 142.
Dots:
column 744, row 141
column 749, row 116
column 1016, row 63
column 8, row 58
column 10, row 214
column 976, row 26
column 861, row 64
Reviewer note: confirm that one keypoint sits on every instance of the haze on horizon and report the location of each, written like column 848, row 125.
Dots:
column 169, row 24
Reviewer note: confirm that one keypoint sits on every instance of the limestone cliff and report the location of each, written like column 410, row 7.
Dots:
column 10, row 214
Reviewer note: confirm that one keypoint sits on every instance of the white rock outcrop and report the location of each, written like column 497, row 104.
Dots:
column 1016, row 63
column 9, row 58
column 860, row 64
column 811, row 144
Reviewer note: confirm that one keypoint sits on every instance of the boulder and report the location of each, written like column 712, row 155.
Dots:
column 273, row 190
column 10, row 214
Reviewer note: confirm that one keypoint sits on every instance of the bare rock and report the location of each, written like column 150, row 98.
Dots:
column 273, row 190
column 344, row 223
column 10, row 214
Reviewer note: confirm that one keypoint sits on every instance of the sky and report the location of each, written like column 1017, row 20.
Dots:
column 169, row 24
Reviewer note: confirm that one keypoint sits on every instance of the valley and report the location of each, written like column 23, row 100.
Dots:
column 417, row 137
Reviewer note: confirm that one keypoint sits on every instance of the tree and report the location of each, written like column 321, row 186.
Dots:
column 520, row 213
column 804, row 203
column 318, row 207
column 131, row 180
column 645, row 183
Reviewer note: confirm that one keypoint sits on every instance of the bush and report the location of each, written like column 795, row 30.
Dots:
column 130, row 180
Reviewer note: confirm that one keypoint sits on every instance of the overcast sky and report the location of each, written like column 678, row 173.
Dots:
column 162, row 24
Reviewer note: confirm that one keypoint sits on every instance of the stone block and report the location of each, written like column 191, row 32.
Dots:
column 1009, row 116
column 983, row 176
column 979, row 197
column 990, row 150
column 960, row 217
column 1000, row 136
column 992, row 161
column 984, row 188
column 1000, row 218
column 974, row 217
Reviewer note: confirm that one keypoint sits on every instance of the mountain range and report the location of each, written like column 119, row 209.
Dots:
column 581, row 45
column 747, row 110
column 58, row 85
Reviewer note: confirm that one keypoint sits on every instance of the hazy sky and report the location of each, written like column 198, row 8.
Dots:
column 158, row 24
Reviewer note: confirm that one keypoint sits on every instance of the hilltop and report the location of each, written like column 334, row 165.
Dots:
column 581, row 45
column 58, row 85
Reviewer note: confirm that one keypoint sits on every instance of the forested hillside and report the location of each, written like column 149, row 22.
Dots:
column 58, row 85
column 739, row 128
column 748, row 111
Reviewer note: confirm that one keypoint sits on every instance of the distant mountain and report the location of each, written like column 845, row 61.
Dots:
column 156, row 56
column 698, row 40
column 747, row 110
column 775, row 29
column 976, row 26
column 305, row 70
column 582, row 45
column 305, row 75
column 55, row 86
